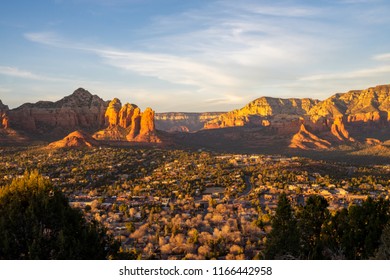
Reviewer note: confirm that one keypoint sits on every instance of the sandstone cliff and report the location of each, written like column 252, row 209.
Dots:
column 4, row 122
column 81, row 110
column 262, row 110
column 338, row 129
column 306, row 140
column 127, row 123
column 355, row 115
column 372, row 104
column 341, row 119
column 183, row 122
column 360, row 116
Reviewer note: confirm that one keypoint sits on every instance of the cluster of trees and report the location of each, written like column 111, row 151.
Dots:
column 312, row 232
column 36, row 222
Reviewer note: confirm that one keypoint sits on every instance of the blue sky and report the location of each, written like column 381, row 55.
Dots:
column 195, row 55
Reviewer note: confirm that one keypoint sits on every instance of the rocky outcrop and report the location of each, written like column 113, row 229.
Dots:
column 112, row 112
column 369, row 105
column 183, row 122
column 127, row 123
column 3, row 107
column 126, row 115
column 338, row 130
column 146, row 131
column 372, row 141
column 306, row 140
column 341, row 119
column 81, row 110
column 4, row 121
column 76, row 139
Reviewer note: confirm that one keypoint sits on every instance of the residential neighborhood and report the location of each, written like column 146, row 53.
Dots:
column 174, row 204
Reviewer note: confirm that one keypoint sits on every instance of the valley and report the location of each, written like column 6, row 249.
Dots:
column 178, row 204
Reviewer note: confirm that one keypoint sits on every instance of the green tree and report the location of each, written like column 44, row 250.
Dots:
column 283, row 240
column 365, row 226
column 311, row 219
column 383, row 252
column 36, row 222
column 333, row 234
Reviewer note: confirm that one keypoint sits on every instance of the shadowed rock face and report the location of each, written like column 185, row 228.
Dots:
column 342, row 118
column 4, row 122
column 81, row 110
column 183, row 122
column 372, row 104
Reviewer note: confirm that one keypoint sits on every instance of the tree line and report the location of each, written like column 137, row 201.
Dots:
column 312, row 232
column 36, row 222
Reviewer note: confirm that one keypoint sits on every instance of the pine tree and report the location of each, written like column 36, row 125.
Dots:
column 36, row 222
column 383, row 252
column 311, row 219
column 283, row 240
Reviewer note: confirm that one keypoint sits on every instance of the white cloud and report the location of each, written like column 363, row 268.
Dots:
column 228, row 47
column 174, row 69
column 47, row 38
column 277, row 9
column 382, row 57
column 15, row 72
column 356, row 74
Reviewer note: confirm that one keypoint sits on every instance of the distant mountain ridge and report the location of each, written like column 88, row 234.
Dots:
column 184, row 122
column 357, row 119
column 312, row 124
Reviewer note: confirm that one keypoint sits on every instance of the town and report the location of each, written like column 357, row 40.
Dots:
column 176, row 204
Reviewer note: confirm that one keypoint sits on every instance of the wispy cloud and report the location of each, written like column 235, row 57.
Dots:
column 382, row 57
column 277, row 9
column 363, row 73
column 227, row 51
column 15, row 72
column 358, row 1
column 167, row 67
column 52, row 39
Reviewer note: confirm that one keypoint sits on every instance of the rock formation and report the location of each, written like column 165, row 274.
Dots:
column 76, row 139
column 361, row 116
column 338, row 129
column 306, row 140
column 340, row 119
column 126, row 114
column 4, row 121
column 146, row 130
column 112, row 112
column 263, row 108
column 372, row 104
column 127, row 123
column 81, row 110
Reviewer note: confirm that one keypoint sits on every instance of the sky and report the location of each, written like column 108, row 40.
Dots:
column 191, row 56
